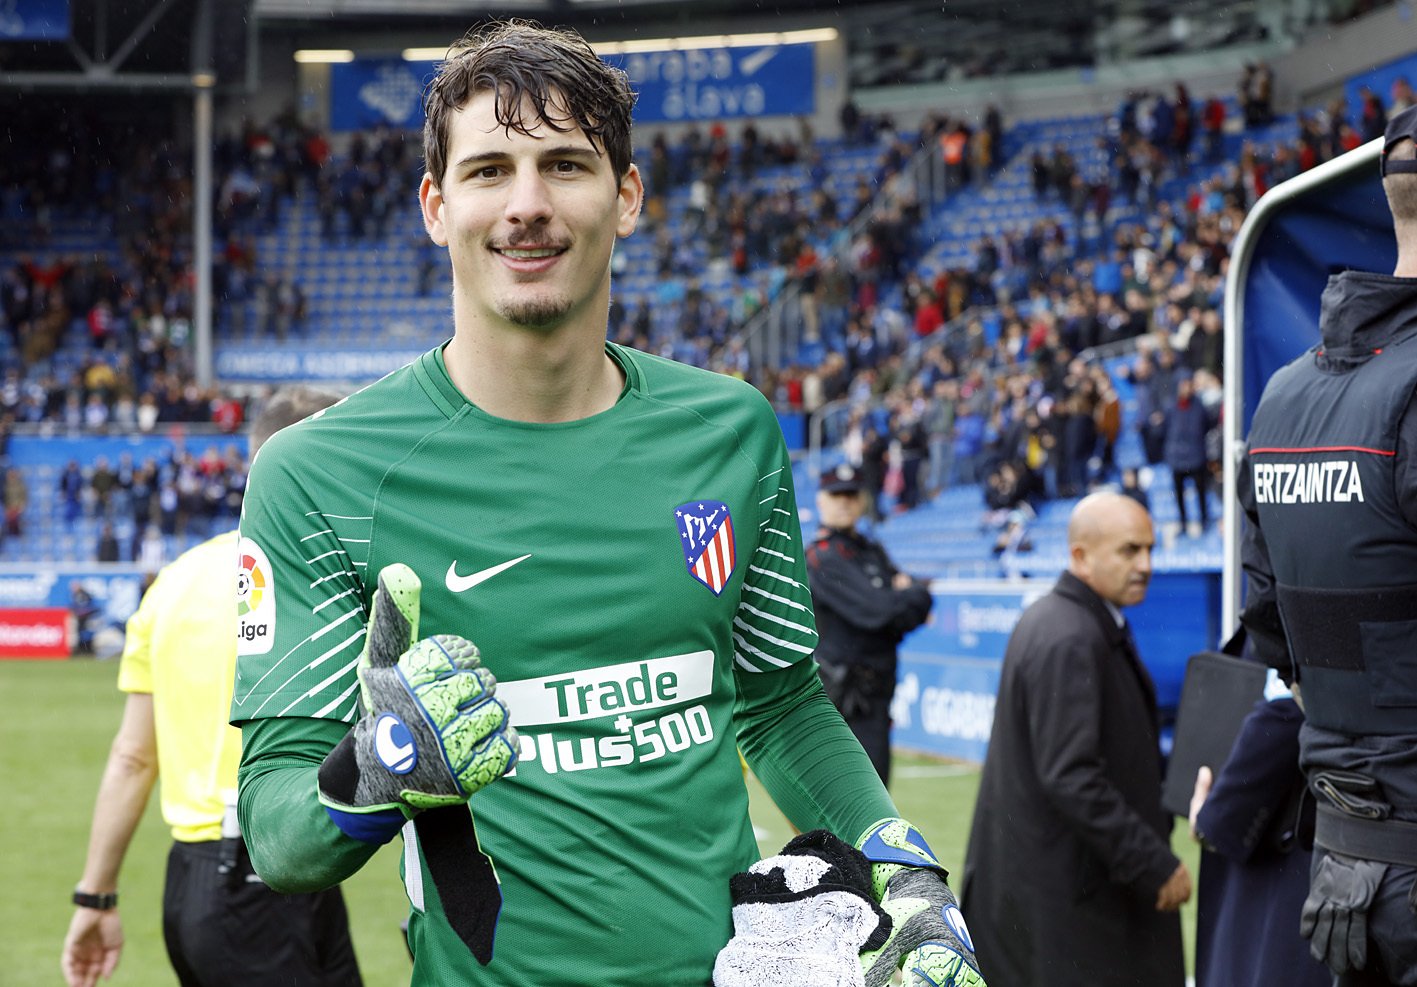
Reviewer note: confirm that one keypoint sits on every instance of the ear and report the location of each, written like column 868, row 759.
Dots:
column 632, row 198
column 430, row 198
column 1077, row 557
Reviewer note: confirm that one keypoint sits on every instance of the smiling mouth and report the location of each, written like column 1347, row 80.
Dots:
column 529, row 253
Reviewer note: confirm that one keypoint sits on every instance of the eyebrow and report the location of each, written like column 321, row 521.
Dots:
column 555, row 151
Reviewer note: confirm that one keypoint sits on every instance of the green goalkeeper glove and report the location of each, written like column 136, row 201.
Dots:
column 929, row 940
column 431, row 730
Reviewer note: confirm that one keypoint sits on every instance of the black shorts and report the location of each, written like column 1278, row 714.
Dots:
column 230, row 930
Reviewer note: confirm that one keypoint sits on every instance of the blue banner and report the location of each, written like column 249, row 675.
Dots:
column 115, row 588
column 309, row 363
column 673, row 85
column 371, row 91
column 34, row 20
column 57, row 450
column 949, row 667
column 721, row 83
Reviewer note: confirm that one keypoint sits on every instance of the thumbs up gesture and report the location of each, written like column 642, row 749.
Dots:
column 431, row 731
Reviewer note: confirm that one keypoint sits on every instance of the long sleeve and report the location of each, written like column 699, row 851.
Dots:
column 1255, row 782
column 808, row 760
column 293, row 844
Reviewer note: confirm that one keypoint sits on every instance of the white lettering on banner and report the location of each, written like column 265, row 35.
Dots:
column 994, row 619
column 257, row 363
column 30, row 635
column 1328, row 481
column 694, row 65
column 27, row 589
column 907, row 691
column 693, row 101
column 951, row 713
column 322, row 364
column 631, row 687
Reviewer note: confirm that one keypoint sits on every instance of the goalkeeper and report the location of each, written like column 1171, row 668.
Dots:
column 617, row 536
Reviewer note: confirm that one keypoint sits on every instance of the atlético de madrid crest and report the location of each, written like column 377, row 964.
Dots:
column 706, row 532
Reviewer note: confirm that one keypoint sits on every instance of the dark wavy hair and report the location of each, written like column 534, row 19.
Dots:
column 566, row 83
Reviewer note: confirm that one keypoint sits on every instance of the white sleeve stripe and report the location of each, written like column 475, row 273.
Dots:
column 776, row 575
column 325, row 579
column 771, row 475
column 332, row 599
column 340, row 700
column 327, row 531
column 761, row 654
column 744, row 664
column 768, row 551
column 799, row 648
column 339, row 517
column 780, row 534
column 768, row 500
column 778, row 599
column 340, row 620
column 356, row 541
column 336, row 551
column 773, row 618
column 304, row 668
column 316, row 689
column 779, row 510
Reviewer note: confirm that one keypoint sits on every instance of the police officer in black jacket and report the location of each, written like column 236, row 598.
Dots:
column 864, row 606
column 1329, row 486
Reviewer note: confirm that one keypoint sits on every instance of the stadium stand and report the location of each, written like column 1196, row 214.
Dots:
column 1068, row 252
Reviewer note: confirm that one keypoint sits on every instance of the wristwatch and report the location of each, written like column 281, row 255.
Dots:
column 103, row 902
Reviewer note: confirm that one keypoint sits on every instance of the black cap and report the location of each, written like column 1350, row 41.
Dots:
column 1402, row 126
column 843, row 479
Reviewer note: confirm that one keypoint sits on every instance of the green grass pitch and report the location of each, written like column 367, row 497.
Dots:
column 59, row 720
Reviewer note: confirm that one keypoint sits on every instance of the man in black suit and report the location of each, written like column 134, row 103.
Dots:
column 1069, row 878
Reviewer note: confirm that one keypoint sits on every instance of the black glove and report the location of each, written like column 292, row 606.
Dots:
column 1335, row 915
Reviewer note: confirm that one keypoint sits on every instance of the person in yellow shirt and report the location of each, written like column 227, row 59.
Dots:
column 222, row 926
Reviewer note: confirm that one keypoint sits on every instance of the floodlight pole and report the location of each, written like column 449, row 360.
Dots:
column 203, row 79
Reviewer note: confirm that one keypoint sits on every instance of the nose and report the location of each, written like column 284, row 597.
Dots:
column 529, row 200
column 1143, row 565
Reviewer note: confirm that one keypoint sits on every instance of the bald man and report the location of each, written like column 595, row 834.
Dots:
column 1069, row 878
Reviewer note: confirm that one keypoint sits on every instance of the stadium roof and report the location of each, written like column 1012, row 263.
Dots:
column 150, row 42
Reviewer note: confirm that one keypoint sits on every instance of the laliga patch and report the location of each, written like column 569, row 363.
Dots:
column 393, row 744
column 255, row 600
column 706, row 535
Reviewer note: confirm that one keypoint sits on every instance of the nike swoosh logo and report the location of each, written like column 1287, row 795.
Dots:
column 459, row 584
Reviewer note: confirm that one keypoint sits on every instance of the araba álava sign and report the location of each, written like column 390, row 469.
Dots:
column 721, row 83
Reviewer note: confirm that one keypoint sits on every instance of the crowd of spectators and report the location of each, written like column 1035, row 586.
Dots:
column 1004, row 373
column 1007, row 373
column 157, row 504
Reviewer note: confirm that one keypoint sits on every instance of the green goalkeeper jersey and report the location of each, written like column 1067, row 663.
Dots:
column 623, row 575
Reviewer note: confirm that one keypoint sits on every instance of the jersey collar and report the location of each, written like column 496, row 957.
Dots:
column 432, row 372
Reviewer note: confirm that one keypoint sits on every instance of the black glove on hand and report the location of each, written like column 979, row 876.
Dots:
column 1335, row 915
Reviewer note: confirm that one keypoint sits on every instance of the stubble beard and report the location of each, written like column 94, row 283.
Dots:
column 540, row 313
